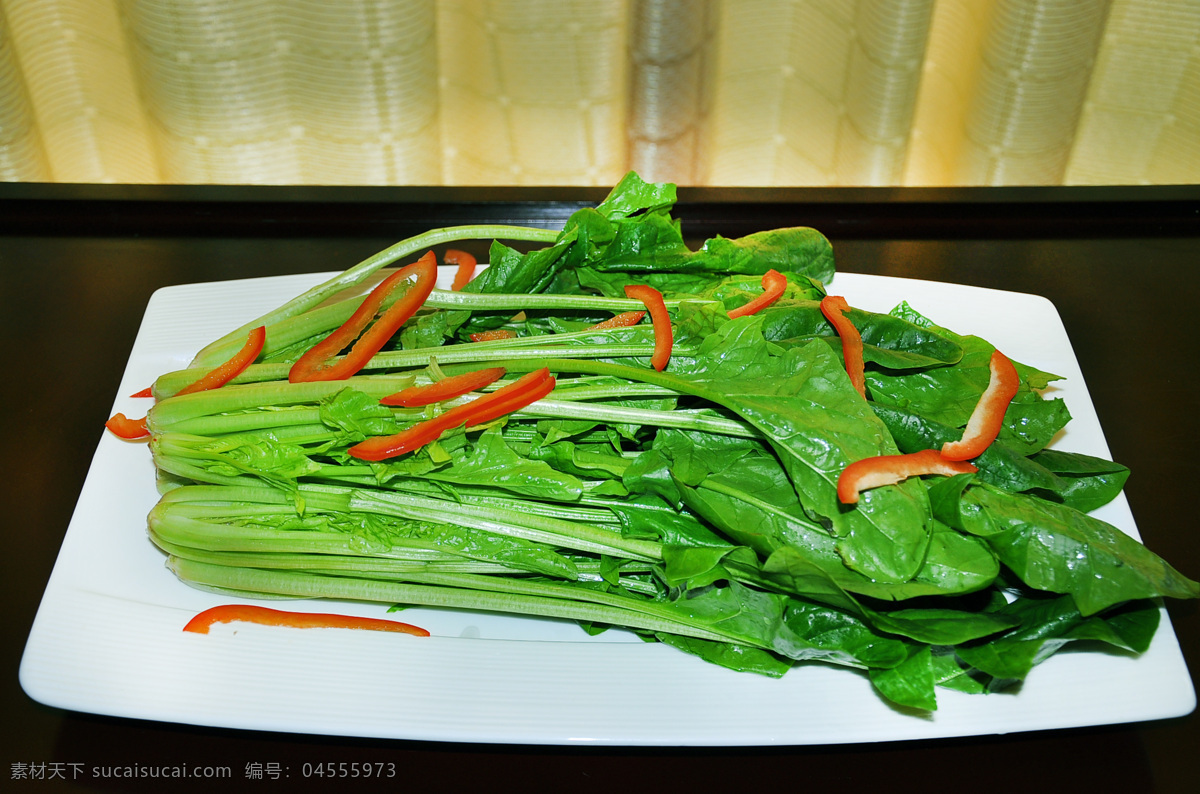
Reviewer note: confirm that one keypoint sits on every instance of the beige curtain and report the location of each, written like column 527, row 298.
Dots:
column 576, row 92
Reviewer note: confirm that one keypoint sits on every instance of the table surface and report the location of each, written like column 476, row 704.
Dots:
column 78, row 264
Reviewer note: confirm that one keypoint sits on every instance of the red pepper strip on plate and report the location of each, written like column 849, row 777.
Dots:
column 834, row 308
column 988, row 416
column 623, row 320
column 466, row 267
column 129, row 429
column 233, row 367
column 245, row 613
column 315, row 364
column 774, row 283
column 146, row 392
column 891, row 469
column 516, row 395
column 664, row 337
column 493, row 335
column 446, row 389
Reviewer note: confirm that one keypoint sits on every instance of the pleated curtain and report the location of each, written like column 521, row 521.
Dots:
column 577, row 92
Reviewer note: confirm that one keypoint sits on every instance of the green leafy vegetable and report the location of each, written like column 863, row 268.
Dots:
column 696, row 506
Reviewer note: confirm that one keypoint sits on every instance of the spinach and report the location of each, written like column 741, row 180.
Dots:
column 696, row 506
column 1059, row 549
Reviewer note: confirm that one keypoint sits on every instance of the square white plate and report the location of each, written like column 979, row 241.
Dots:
column 107, row 638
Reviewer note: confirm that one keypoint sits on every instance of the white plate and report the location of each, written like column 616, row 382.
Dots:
column 107, row 638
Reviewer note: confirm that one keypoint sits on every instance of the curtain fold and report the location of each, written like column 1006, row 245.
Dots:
column 576, row 92
column 671, row 59
column 818, row 92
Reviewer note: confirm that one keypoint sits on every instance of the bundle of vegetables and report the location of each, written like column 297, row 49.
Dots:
column 615, row 429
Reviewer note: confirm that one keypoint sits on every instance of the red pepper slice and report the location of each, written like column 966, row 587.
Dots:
column 146, row 392
column 623, row 320
column 226, row 372
column 315, row 364
column 891, row 469
column 834, row 308
column 494, row 335
column 513, row 403
column 129, row 429
column 466, row 267
column 664, row 336
column 988, row 416
column 245, row 613
column 518, row 394
column 774, row 283
column 446, row 389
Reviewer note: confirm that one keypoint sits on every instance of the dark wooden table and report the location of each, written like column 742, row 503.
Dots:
column 78, row 263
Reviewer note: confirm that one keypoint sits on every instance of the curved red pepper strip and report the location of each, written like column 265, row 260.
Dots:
column 129, row 429
column 466, row 267
column 146, row 392
column 446, row 389
column 233, row 367
column 834, row 308
column 664, row 336
column 380, row 448
column 623, row 320
column 988, row 416
column 774, row 283
column 315, row 364
column 245, row 613
column 891, row 469
column 494, row 335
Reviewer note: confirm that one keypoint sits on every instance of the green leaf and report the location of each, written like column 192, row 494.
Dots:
column 1046, row 625
column 1057, row 548
column 357, row 414
column 910, row 683
column 792, row 573
column 633, row 194
column 950, row 672
column 742, row 658
column 650, row 473
column 493, row 463
column 432, row 329
column 581, row 460
column 644, row 516
column 1087, row 482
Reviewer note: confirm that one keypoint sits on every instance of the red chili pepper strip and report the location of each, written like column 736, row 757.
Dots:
column 129, row 429
column 988, row 416
column 664, row 337
column 466, row 267
column 891, row 469
column 514, row 403
column 245, row 613
column 446, row 389
column 623, row 320
column 226, row 372
column 315, row 364
column 146, row 392
column 774, row 283
column 416, row 436
column 493, row 335
column 834, row 308
column 380, row 448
